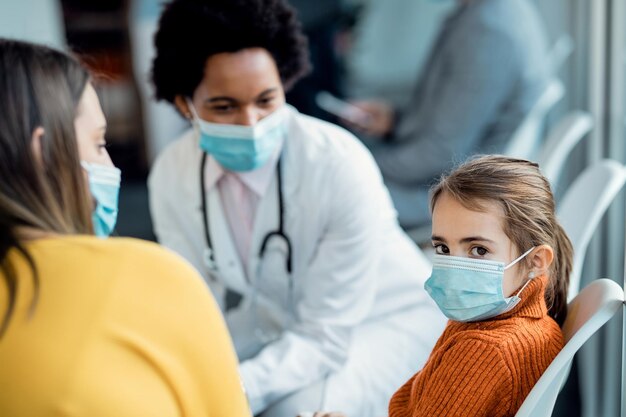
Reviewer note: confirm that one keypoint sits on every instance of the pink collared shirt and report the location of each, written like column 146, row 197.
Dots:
column 240, row 193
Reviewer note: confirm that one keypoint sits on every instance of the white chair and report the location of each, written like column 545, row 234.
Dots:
column 583, row 206
column 560, row 141
column 560, row 51
column 525, row 141
column 587, row 313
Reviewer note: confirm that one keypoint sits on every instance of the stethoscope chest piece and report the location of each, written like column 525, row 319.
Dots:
column 209, row 260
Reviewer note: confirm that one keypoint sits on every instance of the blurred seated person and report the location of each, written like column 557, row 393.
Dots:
column 372, row 68
column 486, row 70
column 90, row 326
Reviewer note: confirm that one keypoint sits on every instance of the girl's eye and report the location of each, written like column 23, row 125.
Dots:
column 479, row 251
column 441, row 249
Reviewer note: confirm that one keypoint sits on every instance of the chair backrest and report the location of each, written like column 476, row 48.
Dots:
column 525, row 140
column 560, row 141
column 559, row 52
column 589, row 311
column 583, row 206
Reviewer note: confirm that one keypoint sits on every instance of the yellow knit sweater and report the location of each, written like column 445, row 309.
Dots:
column 484, row 368
column 120, row 328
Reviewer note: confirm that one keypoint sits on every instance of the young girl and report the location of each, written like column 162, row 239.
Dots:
column 501, row 275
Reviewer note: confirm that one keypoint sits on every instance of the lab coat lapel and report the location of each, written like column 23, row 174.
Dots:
column 266, row 220
column 291, row 165
column 267, row 217
column 226, row 256
column 291, row 161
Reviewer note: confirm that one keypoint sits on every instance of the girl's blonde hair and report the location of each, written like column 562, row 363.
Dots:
column 529, row 210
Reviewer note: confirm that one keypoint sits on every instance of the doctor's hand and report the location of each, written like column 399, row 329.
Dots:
column 321, row 414
column 380, row 118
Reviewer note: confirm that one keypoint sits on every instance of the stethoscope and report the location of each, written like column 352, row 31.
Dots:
column 209, row 256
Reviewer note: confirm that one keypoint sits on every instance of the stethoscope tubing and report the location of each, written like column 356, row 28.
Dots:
column 281, row 221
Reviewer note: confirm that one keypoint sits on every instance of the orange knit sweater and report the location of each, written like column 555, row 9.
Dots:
column 484, row 368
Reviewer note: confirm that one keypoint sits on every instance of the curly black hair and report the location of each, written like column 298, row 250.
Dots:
column 191, row 31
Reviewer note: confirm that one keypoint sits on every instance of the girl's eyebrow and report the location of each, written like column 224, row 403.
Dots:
column 476, row 238
column 464, row 240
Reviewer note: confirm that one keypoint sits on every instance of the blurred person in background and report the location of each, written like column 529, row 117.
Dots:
column 372, row 67
column 90, row 326
column 487, row 68
column 286, row 217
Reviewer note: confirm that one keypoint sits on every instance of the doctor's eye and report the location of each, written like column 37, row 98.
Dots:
column 266, row 101
column 223, row 108
column 441, row 249
column 479, row 251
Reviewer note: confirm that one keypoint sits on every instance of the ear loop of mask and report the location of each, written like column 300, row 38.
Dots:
column 192, row 110
column 522, row 256
column 531, row 275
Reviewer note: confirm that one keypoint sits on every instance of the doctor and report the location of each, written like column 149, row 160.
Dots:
column 287, row 212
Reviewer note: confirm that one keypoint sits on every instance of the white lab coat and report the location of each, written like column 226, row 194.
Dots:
column 353, row 269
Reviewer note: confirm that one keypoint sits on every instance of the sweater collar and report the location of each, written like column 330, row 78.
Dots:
column 532, row 304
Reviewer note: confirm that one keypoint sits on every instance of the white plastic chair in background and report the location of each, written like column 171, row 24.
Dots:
column 561, row 139
column 559, row 52
column 583, row 206
column 525, row 141
column 580, row 211
column 588, row 312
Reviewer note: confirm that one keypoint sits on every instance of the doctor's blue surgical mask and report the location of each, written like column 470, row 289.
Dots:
column 467, row 289
column 242, row 148
column 104, row 184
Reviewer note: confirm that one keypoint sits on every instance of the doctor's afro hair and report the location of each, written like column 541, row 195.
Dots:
column 191, row 31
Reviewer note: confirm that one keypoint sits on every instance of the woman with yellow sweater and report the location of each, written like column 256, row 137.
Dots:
column 500, row 274
column 88, row 326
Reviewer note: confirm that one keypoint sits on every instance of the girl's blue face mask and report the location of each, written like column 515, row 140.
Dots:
column 104, row 184
column 467, row 289
column 242, row 148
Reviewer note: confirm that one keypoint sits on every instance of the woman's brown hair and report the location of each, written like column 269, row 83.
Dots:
column 41, row 185
column 530, row 220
